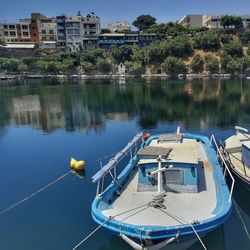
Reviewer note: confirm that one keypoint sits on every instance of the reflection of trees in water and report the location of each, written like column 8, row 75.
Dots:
column 88, row 106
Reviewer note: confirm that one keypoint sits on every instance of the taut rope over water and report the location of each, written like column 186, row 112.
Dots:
column 47, row 186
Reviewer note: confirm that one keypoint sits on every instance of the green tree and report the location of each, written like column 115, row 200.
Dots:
column 234, row 49
column 179, row 46
column 134, row 67
column 231, row 21
column 233, row 66
column 197, row 64
column 226, row 21
column 121, row 53
column 173, row 65
column 22, row 67
column 207, row 41
column 9, row 64
column 237, row 22
column 212, row 64
column 103, row 65
column 143, row 22
column 245, row 37
column 87, row 66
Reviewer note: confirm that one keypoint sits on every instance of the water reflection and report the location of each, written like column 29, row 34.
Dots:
column 89, row 106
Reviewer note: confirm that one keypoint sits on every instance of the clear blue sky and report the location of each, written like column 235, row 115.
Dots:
column 119, row 10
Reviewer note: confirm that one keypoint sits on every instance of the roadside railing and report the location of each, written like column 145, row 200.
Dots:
column 226, row 168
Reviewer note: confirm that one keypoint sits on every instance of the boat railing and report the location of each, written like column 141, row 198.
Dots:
column 226, row 168
column 131, row 149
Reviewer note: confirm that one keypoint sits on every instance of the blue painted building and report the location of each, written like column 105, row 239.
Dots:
column 61, row 32
column 131, row 38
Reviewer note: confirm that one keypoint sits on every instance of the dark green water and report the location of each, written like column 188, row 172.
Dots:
column 44, row 123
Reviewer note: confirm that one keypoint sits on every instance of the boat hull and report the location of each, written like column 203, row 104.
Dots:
column 156, row 234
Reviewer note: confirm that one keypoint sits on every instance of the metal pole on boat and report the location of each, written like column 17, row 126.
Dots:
column 160, row 189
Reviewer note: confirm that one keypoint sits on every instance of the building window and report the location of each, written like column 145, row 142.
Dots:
column 6, row 33
column 51, row 31
column 51, row 38
column 12, row 27
column 25, row 27
column 43, row 31
column 12, row 33
column 25, row 33
column 5, row 26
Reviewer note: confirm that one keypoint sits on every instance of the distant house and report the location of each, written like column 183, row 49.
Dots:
column 191, row 21
column 121, row 69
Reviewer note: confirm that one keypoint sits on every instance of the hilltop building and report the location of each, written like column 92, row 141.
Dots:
column 91, row 31
column 209, row 21
column 61, row 31
column 74, row 32
column 119, row 27
column 213, row 21
column 16, row 32
column 191, row 21
column 138, row 38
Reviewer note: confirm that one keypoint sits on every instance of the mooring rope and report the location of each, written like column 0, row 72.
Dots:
column 48, row 185
column 241, row 219
column 80, row 243
column 111, row 218
column 35, row 193
column 179, row 220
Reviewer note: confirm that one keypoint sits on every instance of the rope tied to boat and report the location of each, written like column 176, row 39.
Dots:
column 180, row 220
column 47, row 186
column 112, row 218
column 241, row 219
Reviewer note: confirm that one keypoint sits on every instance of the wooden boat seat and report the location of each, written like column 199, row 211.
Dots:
column 154, row 152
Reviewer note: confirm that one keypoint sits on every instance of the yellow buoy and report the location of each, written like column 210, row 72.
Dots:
column 78, row 165
column 73, row 162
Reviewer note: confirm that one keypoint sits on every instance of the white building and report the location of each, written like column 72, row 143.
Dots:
column 47, row 30
column 74, row 33
column 192, row 21
column 91, row 31
column 119, row 27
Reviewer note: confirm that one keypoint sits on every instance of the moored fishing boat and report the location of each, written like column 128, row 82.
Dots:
column 237, row 155
column 171, row 190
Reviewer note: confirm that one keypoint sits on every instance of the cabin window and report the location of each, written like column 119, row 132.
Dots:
column 173, row 176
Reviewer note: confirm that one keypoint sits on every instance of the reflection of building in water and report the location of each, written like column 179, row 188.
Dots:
column 27, row 110
column 118, row 116
column 53, row 111
column 83, row 118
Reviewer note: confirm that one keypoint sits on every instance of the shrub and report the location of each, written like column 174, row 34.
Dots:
column 207, row 41
column 212, row 64
column 197, row 64
column 173, row 65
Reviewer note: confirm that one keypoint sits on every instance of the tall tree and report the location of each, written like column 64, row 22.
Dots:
column 143, row 22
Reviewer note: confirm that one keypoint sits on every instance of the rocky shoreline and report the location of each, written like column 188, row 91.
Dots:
column 7, row 77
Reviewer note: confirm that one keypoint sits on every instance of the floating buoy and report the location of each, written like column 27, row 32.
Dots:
column 73, row 162
column 146, row 136
column 78, row 165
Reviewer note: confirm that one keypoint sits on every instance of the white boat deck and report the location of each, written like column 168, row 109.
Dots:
column 188, row 207
column 234, row 147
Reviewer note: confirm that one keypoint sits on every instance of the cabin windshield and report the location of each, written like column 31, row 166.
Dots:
column 181, row 178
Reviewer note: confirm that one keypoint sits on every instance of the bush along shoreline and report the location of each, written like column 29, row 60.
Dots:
column 179, row 51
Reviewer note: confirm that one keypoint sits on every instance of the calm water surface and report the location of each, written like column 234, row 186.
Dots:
column 44, row 123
